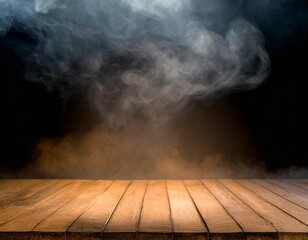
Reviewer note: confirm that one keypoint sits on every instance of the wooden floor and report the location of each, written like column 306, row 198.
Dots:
column 158, row 209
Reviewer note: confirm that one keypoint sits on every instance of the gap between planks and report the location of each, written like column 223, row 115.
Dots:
column 159, row 209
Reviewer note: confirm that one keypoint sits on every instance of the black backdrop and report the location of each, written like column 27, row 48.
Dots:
column 276, row 111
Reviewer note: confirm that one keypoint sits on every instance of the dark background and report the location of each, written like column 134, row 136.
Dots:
column 276, row 111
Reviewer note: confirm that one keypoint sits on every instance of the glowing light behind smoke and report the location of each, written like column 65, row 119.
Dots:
column 133, row 55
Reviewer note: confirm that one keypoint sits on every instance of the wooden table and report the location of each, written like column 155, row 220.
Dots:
column 156, row 209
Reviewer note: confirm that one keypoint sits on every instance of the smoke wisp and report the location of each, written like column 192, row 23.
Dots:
column 138, row 64
column 150, row 57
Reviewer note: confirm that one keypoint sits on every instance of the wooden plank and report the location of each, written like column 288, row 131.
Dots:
column 155, row 216
column 125, row 218
column 297, row 199
column 20, row 206
column 28, row 220
column 62, row 219
column 185, row 216
column 157, row 209
column 6, row 184
column 254, row 226
column 14, row 190
column 285, row 205
column 303, row 183
column 219, row 222
column 29, row 192
column 289, row 186
column 280, row 220
column 95, row 218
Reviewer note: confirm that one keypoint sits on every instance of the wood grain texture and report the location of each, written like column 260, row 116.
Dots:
column 124, row 221
column 289, row 186
column 15, row 190
column 63, row 217
column 126, row 216
column 29, row 219
column 280, row 220
column 303, row 183
column 95, row 218
column 285, row 193
column 185, row 216
column 156, row 215
column 292, row 209
column 220, row 223
column 247, row 218
column 26, row 204
column 153, row 210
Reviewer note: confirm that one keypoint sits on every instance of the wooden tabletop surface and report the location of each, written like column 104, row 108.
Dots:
column 156, row 209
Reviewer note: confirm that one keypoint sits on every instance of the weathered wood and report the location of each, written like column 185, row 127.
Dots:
column 185, row 216
column 155, row 216
column 29, row 219
column 280, row 220
column 152, row 210
column 63, row 217
column 220, row 223
column 285, row 193
column 289, row 186
column 26, row 204
column 95, row 218
column 15, row 190
column 303, row 183
column 285, row 205
column 254, row 225
column 126, row 216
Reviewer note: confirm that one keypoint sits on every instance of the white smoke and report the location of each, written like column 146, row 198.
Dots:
column 135, row 56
